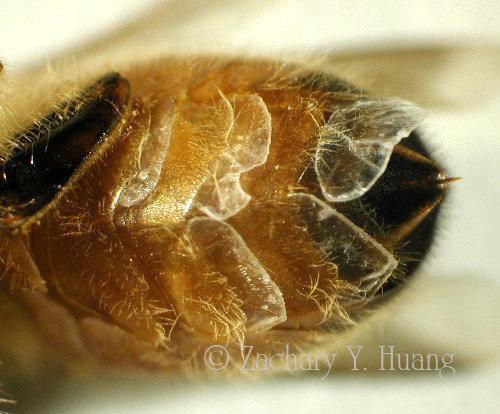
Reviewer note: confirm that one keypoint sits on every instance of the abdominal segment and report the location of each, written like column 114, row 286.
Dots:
column 209, row 213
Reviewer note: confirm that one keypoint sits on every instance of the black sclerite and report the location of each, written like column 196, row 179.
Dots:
column 57, row 146
column 408, row 185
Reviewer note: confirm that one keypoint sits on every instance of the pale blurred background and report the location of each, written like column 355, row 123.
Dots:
column 442, row 54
